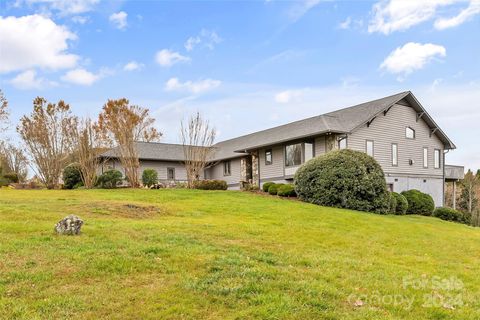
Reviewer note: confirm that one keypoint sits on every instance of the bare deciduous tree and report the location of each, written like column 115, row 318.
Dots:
column 14, row 160
column 468, row 199
column 88, row 146
column 197, row 140
column 3, row 112
column 48, row 136
column 121, row 125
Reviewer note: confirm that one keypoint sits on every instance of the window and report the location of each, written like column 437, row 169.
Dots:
column 425, row 157
column 170, row 173
column 293, row 155
column 308, row 147
column 227, row 166
column 268, row 157
column 409, row 133
column 342, row 143
column 437, row 159
column 394, row 154
column 369, row 147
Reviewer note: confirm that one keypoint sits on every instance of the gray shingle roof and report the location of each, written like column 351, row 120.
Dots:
column 340, row 121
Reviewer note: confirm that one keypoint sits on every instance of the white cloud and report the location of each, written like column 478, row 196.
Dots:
column 80, row 19
column 81, row 76
column 119, row 20
column 345, row 24
column 300, row 8
column 206, row 37
column 34, row 41
column 412, row 56
column 64, row 7
column 133, row 66
column 28, row 80
column 288, row 96
column 464, row 15
column 173, row 84
column 398, row 15
column 167, row 58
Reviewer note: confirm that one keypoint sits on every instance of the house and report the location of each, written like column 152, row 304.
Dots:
column 396, row 130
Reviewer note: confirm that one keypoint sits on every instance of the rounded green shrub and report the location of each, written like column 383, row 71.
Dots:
column 267, row 185
column 12, row 177
column 402, row 204
column 109, row 179
column 345, row 179
column 149, row 177
column 210, row 185
column 273, row 189
column 287, row 190
column 419, row 202
column 448, row 214
column 392, row 200
column 72, row 177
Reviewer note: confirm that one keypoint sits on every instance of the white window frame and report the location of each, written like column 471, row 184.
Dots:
column 436, row 159
column 341, row 141
column 373, row 147
column 413, row 131
column 394, row 154
column 425, row 157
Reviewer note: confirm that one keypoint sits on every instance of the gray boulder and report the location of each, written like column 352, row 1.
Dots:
column 70, row 225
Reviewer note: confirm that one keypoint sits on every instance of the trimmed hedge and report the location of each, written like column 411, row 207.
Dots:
column 149, row 177
column 109, row 179
column 419, row 202
column 72, row 177
column 401, row 204
column 12, row 177
column 345, row 179
column 210, row 185
column 287, row 190
column 267, row 185
column 448, row 214
column 273, row 189
column 392, row 200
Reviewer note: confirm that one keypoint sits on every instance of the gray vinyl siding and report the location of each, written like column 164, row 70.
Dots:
column 275, row 169
column 319, row 146
column 216, row 172
column 388, row 129
column 161, row 168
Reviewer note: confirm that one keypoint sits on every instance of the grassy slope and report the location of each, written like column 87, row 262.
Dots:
column 222, row 255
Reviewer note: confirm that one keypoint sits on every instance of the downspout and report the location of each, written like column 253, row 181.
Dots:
column 443, row 189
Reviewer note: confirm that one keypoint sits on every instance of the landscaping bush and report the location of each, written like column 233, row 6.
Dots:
column 345, row 179
column 273, row 189
column 267, row 185
column 287, row 190
column 448, row 214
column 12, row 177
column 109, row 179
column 210, row 185
column 401, row 204
column 392, row 200
column 419, row 202
column 72, row 177
column 149, row 177
column 4, row 181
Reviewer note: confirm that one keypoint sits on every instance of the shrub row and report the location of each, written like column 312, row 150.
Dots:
column 280, row 189
column 450, row 214
column 211, row 185
column 419, row 202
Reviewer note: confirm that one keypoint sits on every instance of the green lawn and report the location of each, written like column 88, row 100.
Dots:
column 228, row 255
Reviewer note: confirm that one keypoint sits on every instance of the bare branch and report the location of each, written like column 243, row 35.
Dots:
column 197, row 140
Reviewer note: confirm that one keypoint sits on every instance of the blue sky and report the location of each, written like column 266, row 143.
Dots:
column 246, row 65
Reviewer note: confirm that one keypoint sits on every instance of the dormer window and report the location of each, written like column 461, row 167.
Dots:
column 409, row 133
